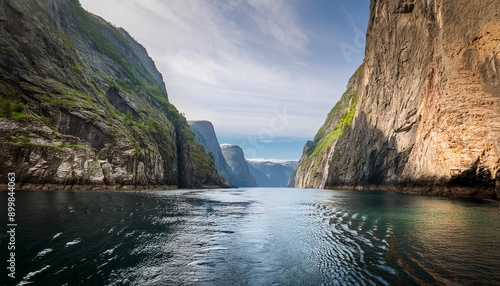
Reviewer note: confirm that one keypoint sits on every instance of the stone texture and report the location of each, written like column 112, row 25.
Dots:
column 428, row 115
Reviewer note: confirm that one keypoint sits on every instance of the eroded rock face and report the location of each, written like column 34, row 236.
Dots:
column 92, row 109
column 428, row 113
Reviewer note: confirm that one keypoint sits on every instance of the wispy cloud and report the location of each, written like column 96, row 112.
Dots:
column 235, row 62
column 277, row 19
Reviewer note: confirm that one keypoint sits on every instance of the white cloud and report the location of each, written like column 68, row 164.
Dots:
column 194, row 67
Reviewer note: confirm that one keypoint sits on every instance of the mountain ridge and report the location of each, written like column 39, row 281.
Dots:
column 272, row 174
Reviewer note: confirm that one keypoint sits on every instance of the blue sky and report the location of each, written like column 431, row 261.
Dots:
column 264, row 72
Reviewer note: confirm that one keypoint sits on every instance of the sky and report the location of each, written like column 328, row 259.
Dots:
column 264, row 72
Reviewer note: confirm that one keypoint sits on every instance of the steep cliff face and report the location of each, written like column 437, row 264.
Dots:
column 82, row 105
column 236, row 159
column 312, row 170
column 428, row 112
column 204, row 133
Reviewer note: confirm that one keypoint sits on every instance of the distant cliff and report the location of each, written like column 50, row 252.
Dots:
column 272, row 174
column 204, row 134
column 236, row 159
column 427, row 118
column 82, row 105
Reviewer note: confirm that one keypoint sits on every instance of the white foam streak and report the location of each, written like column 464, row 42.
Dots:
column 76, row 241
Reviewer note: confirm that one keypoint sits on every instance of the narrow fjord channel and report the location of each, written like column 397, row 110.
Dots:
column 255, row 236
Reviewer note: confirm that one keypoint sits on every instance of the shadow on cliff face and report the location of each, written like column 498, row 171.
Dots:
column 475, row 175
column 80, row 127
column 366, row 158
column 120, row 103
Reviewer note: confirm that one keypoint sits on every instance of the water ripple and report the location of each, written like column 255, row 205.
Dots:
column 344, row 242
column 256, row 237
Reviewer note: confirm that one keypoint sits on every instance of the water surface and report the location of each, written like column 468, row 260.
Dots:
column 253, row 237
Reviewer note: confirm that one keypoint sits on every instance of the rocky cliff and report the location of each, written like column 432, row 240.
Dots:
column 427, row 118
column 204, row 133
column 236, row 159
column 82, row 105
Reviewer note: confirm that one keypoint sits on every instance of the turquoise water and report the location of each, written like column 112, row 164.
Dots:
column 252, row 237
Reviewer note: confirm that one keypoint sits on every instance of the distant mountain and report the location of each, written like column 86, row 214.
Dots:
column 260, row 178
column 204, row 134
column 273, row 173
column 236, row 159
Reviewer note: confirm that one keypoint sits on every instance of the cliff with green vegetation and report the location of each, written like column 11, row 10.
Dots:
column 82, row 105
column 313, row 166
column 427, row 119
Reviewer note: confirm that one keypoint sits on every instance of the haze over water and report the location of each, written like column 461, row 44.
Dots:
column 254, row 237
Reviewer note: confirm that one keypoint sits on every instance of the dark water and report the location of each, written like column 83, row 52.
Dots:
column 252, row 237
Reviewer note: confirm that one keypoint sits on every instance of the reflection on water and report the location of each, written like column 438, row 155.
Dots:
column 254, row 237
